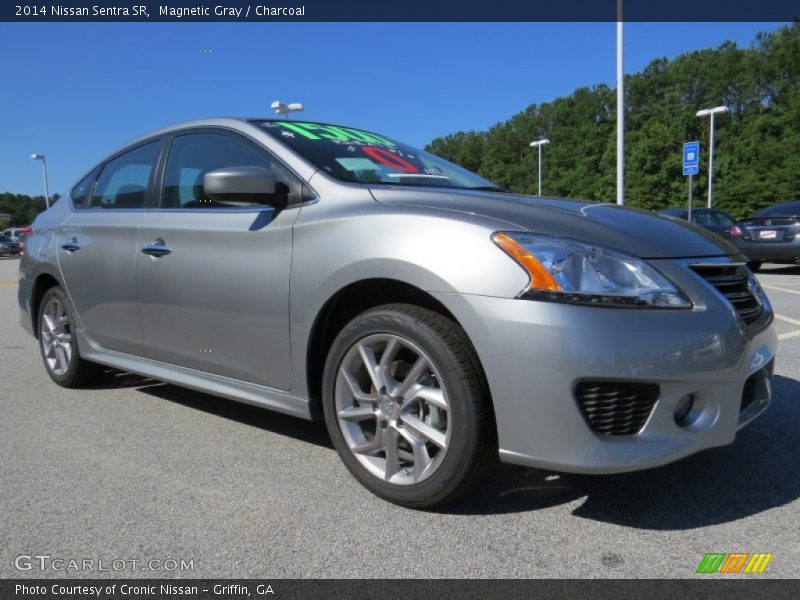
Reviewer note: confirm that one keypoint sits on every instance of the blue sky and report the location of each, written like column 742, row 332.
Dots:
column 77, row 91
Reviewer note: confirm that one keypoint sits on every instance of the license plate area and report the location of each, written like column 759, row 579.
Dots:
column 767, row 234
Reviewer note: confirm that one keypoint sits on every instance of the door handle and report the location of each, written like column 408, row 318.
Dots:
column 156, row 249
column 71, row 246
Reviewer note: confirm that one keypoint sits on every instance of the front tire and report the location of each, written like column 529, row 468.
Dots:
column 406, row 407
column 58, row 344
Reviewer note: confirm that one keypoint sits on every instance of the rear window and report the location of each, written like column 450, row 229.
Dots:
column 716, row 217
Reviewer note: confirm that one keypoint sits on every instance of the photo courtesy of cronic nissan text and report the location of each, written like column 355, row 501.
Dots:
column 345, row 299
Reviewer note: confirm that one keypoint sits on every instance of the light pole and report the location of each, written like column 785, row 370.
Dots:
column 284, row 109
column 538, row 144
column 37, row 156
column 620, row 111
column 705, row 113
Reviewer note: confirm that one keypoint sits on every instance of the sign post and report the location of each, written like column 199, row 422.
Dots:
column 691, row 167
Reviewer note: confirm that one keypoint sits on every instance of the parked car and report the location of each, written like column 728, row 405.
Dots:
column 17, row 234
column 712, row 219
column 433, row 319
column 8, row 246
column 773, row 235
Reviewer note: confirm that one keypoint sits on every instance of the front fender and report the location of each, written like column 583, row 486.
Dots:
column 434, row 250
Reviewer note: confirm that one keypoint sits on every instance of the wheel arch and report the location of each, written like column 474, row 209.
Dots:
column 42, row 283
column 352, row 300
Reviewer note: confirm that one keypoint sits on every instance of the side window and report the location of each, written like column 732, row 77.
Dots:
column 191, row 156
column 703, row 219
column 123, row 181
column 725, row 219
column 80, row 192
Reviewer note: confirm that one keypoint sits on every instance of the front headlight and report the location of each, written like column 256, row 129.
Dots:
column 566, row 270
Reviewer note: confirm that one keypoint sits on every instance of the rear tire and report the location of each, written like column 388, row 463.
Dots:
column 754, row 265
column 58, row 344
column 406, row 406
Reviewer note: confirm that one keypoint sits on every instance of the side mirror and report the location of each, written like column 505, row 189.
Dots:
column 242, row 186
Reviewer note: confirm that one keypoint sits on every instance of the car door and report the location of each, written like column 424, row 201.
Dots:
column 98, row 246
column 214, row 278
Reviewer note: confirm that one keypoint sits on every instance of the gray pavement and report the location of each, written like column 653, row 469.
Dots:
column 133, row 469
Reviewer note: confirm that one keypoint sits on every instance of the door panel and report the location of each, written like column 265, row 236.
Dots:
column 214, row 274
column 100, row 276
column 98, row 247
column 219, row 301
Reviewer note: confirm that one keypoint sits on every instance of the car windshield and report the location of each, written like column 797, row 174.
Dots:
column 361, row 157
column 787, row 209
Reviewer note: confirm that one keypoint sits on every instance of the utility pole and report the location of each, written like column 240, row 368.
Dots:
column 710, row 112
column 538, row 144
column 620, row 111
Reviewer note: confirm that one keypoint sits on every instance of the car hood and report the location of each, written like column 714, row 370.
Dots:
column 631, row 230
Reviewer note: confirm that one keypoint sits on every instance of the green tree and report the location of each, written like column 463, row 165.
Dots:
column 757, row 149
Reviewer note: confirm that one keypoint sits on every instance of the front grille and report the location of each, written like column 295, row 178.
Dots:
column 616, row 407
column 733, row 282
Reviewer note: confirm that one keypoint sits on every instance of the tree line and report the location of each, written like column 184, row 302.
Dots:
column 756, row 150
column 21, row 208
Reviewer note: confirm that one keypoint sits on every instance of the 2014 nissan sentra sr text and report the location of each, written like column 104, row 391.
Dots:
column 435, row 320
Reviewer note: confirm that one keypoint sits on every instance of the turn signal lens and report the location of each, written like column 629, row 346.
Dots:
column 540, row 277
column 735, row 231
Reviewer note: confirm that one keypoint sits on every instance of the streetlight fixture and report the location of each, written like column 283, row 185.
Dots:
column 284, row 109
column 705, row 113
column 538, row 144
column 37, row 156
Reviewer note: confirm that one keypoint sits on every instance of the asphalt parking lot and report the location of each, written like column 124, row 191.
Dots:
column 133, row 469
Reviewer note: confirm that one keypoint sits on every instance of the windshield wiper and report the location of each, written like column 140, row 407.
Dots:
column 416, row 176
column 490, row 188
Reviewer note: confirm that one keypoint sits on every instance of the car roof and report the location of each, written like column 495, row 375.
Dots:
column 792, row 207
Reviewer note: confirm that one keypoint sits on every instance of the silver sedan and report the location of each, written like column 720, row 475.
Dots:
column 435, row 321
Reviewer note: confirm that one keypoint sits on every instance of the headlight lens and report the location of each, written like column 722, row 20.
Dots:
column 566, row 270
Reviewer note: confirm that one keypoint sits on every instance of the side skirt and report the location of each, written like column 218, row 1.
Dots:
column 225, row 387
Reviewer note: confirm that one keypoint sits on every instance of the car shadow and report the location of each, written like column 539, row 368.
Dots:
column 758, row 472
column 772, row 269
column 313, row 432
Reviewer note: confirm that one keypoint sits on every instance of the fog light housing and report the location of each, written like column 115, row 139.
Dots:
column 683, row 408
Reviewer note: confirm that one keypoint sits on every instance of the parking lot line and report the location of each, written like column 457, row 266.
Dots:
column 9, row 282
column 789, row 334
column 787, row 319
column 780, row 289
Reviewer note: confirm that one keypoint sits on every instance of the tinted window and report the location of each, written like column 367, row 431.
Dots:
column 192, row 156
column 717, row 218
column 787, row 209
column 725, row 219
column 123, row 181
column 80, row 192
column 362, row 157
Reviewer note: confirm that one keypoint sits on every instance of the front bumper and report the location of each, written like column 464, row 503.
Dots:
column 533, row 353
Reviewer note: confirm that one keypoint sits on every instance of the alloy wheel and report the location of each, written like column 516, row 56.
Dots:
column 56, row 336
column 393, row 409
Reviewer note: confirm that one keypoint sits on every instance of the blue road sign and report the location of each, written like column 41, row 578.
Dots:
column 691, row 158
